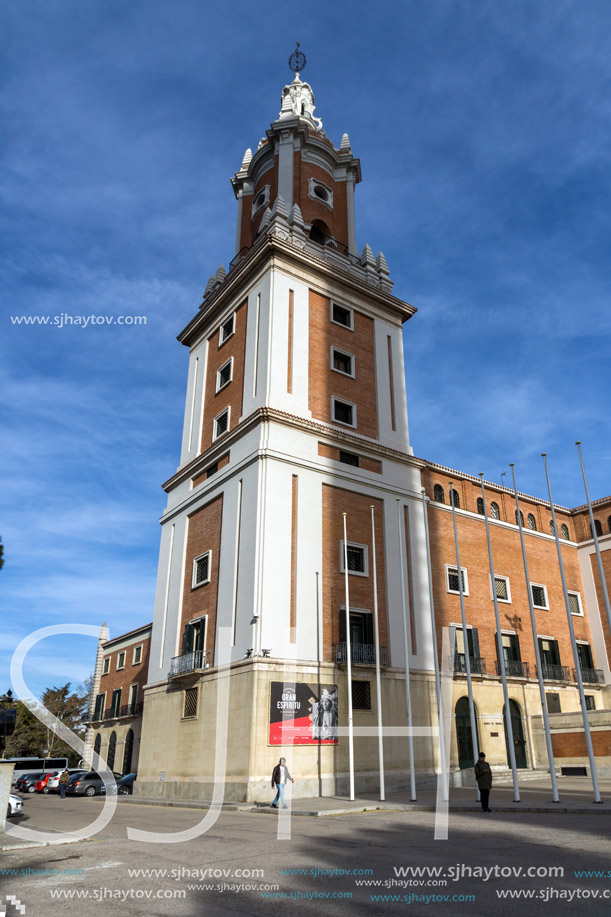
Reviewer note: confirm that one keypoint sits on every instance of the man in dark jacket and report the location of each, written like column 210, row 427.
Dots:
column 483, row 775
column 64, row 780
column 280, row 778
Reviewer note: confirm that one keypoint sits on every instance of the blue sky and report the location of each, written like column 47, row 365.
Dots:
column 484, row 132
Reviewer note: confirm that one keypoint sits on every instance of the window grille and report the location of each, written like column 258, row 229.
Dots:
column 552, row 527
column 453, row 580
column 221, row 424
column 224, row 375
column 438, row 494
column 190, row 705
column 538, row 594
column 342, row 362
column 342, row 316
column 495, row 512
column 343, row 412
column 501, row 588
column 454, row 494
column 356, row 559
column 532, row 522
column 574, row 603
column 521, row 518
column 361, row 695
column 227, row 328
column 202, row 569
column 564, row 532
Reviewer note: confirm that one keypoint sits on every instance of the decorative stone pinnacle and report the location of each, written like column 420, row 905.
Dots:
column 246, row 159
column 345, row 144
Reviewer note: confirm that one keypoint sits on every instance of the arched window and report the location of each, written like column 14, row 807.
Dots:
column 97, row 744
column 494, row 510
column 112, row 747
column 127, row 754
column 552, row 527
column 521, row 517
column 609, row 523
column 480, row 505
column 319, row 232
column 438, row 495
column 598, row 527
column 454, row 494
column 532, row 522
column 564, row 531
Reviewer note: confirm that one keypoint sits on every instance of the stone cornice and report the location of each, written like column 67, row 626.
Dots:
column 272, row 415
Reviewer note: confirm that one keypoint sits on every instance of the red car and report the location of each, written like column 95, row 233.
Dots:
column 40, row 785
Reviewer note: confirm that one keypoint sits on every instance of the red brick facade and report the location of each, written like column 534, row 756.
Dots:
column 230, row 396
column 204, row 535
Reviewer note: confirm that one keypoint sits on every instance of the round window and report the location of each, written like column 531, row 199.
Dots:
column 321, row 192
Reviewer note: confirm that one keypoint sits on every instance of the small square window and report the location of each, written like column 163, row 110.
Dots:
column 221, row 424
column 227, row 329
column 340, row 315
column 358, row 561
column 201, row 570
column 575, row 604
column 224, row 375
column 452, row 580
column 137, row 655
column 342, row 362
column 121, row 660
column 190, row 704
column 106, row 666
column 553, row 702
column 590, row 702
column 344, row 412
column 539, row 594
column 361, row 695
column 348, row 458
column 502, row 589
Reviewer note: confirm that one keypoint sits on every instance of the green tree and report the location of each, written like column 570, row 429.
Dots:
column 33, row 738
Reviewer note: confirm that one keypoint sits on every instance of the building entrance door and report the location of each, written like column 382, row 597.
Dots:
column 464, row 736
column 519, row 742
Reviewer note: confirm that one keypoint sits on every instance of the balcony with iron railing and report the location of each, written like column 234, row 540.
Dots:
column 360, row 654
column 590, row 676
column 188, row 662
column 555, row 672
column 114, row 713
column 514, row 668
column 477, row 665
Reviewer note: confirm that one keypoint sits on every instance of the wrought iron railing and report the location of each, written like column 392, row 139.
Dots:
column 188, row 662
column 591, row 676
column 126, row 710
column 477, row 665
column 515, row 668
column 555, row 672
column 360, row 653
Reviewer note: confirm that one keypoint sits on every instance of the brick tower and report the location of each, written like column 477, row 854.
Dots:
column 295, row 414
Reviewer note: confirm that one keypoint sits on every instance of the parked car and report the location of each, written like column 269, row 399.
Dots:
column 40, row 784
column 88, row 784
column 53, row 781
column 26, row 783
column 15, row 806
column 125, row 785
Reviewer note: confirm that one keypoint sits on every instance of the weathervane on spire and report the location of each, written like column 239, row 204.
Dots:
column 297, row 60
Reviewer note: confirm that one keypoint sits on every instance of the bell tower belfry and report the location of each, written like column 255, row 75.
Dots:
column 296, row 413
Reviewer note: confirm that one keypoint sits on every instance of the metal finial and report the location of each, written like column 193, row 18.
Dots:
column 297, row 60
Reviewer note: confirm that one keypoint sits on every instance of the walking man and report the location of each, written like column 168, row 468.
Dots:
column 64, row 779
column 483, row 775
column 280, row 776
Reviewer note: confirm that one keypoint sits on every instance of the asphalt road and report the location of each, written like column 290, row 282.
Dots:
column 96, row 876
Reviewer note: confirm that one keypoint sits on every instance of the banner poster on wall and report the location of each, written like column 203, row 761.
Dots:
column 304, row 714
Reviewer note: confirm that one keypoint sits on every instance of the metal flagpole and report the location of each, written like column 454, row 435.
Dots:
column 595, row 537
column 349, row 658
column 406, row 649
column 377, row 641
column 499, row 646
column 533, row 625
column 463, row 619
column 582, row 697
column 440, row 712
